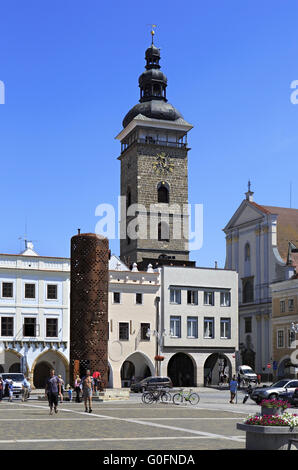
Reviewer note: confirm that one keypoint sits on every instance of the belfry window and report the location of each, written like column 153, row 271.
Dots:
column 163, row 193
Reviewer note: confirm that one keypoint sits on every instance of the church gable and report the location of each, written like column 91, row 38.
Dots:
column 246, row 213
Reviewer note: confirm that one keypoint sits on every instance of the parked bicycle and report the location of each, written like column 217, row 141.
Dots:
column 190, row 397
column 154, row 396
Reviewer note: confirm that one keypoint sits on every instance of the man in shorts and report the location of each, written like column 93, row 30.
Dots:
column 88, row 388
column 52, row 390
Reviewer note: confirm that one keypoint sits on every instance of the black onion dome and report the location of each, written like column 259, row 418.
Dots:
column 155, row 109
column 153, row 103
column 152, row 74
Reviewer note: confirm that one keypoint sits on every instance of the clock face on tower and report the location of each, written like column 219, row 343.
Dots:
column 162, row 164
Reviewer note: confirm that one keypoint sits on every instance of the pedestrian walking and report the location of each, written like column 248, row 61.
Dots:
column 259, row 379
column 62, row 388
column 1, row 388
column 52, row 390
column 233, row 388
column 25, row 389
column 88, row 388
column 78, row 389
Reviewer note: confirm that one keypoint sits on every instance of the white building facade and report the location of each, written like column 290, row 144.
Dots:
column 34, row 314
column 133, row 297
column 198, row 324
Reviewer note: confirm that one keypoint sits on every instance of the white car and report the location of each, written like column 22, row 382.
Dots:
column 247, row 374
column 17, row 380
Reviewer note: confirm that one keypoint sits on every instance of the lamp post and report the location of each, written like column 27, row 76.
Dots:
column 294, row 327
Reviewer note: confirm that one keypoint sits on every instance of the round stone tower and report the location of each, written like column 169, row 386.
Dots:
column 89, row 305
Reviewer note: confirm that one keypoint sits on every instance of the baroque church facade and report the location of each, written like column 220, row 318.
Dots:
column 258, row 244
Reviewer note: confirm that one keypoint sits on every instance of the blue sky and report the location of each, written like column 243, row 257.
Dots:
column 71, row 72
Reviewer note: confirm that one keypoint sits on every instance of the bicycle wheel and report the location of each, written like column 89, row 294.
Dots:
column 177, row 399
column 147, row 398
column 166, row 397
column 194, row 399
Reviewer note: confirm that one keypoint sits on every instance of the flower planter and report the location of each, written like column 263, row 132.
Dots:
column 268, row 437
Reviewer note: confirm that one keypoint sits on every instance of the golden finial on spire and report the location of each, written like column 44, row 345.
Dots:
column 152, row 31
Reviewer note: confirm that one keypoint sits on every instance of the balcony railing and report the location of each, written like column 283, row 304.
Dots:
column 151, row 141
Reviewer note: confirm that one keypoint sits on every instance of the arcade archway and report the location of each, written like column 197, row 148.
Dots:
column 181, row 370
column 41, row 374
column 217, row 369
column 136, row 367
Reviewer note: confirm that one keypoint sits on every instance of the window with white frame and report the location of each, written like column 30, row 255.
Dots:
column 192, row 297
column 208, row 298
column 7, row 289
column 208, row 327
column 52, row 291
column 29, row 291
column 225, row 299
column 291, row 338
column 225, row 328
column 123, row 331
column 175, row 326
column 282, row 306
column 280, row 338
column 192, row 327
column 175, row 296
column 51, row 327
column 139, row 298
column 6, row 326
column 116, row 297
column 30, row 327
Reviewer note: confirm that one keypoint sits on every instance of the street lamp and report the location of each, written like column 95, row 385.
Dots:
column 294, row 327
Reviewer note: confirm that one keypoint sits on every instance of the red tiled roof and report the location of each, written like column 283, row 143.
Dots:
column 287, row 228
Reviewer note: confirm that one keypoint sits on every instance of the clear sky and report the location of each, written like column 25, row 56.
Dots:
column 71, row 69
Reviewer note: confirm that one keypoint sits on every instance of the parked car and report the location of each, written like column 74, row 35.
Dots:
column 17, row 380
column 274, row 391
column 247, row 374
column 290, row 397
column 150, row 383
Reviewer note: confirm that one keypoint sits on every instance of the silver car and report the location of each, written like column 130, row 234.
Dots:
column 268, row 393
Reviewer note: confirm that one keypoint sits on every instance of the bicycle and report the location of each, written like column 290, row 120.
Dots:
column 191, row 397
column 152, row 396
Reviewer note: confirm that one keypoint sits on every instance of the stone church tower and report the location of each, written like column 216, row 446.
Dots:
column 154, row 175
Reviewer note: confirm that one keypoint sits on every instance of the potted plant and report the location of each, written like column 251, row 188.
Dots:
column 273, row 407
column 269, row 432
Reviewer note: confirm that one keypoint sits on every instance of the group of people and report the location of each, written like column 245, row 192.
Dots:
column 7, row 389
column 84, row 386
